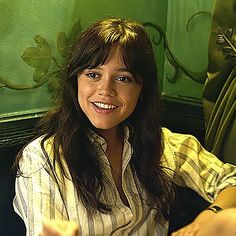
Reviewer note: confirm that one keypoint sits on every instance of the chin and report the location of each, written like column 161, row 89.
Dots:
column 104, row 126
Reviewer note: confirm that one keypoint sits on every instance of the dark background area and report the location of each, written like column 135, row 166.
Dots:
column 178, row 116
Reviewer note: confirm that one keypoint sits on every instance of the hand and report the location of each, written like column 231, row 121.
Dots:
column 60, row 228
column 189, row 230
column 192, row 229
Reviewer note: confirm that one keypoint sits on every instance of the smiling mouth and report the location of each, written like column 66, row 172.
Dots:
column 105, row 106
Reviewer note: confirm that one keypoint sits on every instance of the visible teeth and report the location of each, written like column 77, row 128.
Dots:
column 104, row 106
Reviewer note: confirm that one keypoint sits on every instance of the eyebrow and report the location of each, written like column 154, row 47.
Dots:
column 121, row 69
column 124, row 69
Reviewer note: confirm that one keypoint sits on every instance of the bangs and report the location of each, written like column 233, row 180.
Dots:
column 131, row 60
column 88, row 56
column 97, row 57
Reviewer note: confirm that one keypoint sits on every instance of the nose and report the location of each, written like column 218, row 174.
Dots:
column 106, row 87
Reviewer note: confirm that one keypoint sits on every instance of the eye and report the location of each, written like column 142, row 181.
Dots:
column 124, row 79
column 92, row 75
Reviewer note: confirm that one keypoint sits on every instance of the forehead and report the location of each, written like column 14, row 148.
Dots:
column 115, row 56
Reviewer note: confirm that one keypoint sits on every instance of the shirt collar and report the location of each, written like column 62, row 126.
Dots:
column 99, row 141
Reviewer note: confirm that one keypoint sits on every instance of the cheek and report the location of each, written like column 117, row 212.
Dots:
column 136, row 94
column 136, row 97
column 132, row 98
column 82, row 88
column 85, row 92
column 82, row 97
column 81, row 94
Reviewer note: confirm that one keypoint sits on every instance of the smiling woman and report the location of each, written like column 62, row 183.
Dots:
column 104, row 92
column 101, row 159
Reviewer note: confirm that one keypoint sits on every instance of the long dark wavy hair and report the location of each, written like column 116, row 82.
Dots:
column 69, row 126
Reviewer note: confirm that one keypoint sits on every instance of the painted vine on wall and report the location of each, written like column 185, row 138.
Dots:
column 46, row 67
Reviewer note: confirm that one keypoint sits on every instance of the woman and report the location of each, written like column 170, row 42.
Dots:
column 101, row 159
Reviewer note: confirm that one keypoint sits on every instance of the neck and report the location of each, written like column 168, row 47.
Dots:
column 111, row 135
column 114, row 139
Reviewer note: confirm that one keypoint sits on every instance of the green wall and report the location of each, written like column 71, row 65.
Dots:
column 188, row 25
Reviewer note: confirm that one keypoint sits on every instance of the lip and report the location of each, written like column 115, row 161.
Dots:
column 102, row 110
column 105, row 102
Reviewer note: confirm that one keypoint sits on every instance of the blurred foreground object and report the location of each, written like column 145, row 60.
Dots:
column 220, row 87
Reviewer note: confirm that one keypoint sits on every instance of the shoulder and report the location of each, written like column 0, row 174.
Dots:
column 33, row 157
column 176, row 144
column 177, row 140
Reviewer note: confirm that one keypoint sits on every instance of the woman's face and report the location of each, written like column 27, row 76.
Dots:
column 108, row 94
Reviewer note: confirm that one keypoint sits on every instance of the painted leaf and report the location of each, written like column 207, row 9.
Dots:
column 74, row 33
column 54, row 84
column 38, row 57
column 40, row 72
column 62, row 44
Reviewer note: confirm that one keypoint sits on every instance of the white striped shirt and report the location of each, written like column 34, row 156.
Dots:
column 38, row 198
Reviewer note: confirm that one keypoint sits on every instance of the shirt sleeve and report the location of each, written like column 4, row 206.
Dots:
column 196, row 168
column 37, row 198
